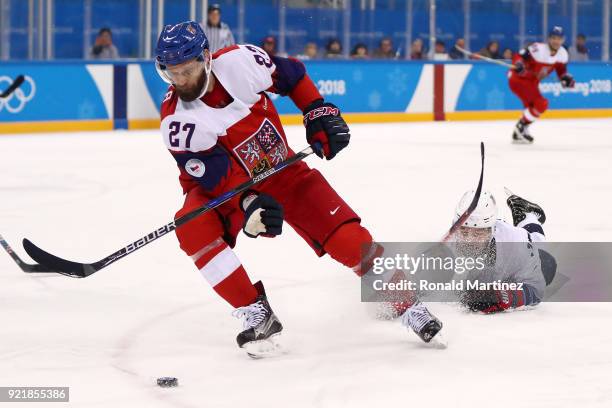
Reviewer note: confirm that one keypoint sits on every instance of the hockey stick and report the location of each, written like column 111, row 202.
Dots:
column 16, row 84
column 82, row 270
column 26, row 267
column 466, row 214
column 487, row 59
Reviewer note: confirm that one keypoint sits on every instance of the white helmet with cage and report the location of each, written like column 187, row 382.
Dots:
column 485, row 214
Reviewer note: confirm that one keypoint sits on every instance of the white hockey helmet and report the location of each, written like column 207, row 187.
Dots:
column 485, row 214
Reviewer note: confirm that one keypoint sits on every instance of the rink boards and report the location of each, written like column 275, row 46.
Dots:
column 73, row 95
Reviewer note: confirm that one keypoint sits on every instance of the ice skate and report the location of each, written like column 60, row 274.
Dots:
column 425, row 325
column 521, row 207
column 262, row 328
column 521, row 134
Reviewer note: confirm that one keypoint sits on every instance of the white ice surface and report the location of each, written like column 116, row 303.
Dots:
column 111, row 335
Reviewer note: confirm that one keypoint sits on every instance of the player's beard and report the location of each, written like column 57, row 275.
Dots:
column 192, row 93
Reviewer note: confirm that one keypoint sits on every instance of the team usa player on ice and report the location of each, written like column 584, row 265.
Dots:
column 531, row 65
column 222, row 129
column 510, row 253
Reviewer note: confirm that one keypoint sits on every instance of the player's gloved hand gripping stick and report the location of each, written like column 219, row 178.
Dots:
column 263, row 215
column 82, row 270
column 326, row 130
column 492, row 301
column 567, row 81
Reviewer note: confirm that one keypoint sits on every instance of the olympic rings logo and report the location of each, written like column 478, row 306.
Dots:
column 15, row 102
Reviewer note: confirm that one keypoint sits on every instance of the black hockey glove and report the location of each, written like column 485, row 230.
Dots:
column 519, row 67
column 263, row 215
column 567, row 81
column 492, row 301
column 326, row 131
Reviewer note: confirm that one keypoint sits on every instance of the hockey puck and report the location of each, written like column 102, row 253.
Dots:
column 167, row 382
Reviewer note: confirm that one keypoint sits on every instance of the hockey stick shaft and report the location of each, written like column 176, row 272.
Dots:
column 16, row 84
column 77, row 269
column 487, row 59
column 466, row 214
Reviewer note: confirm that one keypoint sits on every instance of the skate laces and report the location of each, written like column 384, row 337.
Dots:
column 416, row 317
column 253, row 314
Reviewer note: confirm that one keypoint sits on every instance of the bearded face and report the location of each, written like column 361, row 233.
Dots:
column 191, row 90
column 190, row 78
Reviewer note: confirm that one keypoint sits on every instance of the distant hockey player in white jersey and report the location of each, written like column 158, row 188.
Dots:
column 510, row 252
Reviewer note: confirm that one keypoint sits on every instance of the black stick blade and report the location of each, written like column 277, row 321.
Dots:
column 16, row 84
column 28, row 268
column 55, row 263
column 24, row 266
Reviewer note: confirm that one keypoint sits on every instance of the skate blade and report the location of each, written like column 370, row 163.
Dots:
column 270, row 347
column 521, row 141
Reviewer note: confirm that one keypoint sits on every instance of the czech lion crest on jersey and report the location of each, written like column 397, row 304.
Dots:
column 262, row 150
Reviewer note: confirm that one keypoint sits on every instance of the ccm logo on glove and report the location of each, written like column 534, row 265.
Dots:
column 322, row 111
column 326, row 130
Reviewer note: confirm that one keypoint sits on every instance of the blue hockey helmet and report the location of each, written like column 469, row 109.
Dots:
column 180, row 43
column 556, row 31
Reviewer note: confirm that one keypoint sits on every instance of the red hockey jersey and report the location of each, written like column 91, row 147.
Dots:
column 540, row 62
column 243, row 138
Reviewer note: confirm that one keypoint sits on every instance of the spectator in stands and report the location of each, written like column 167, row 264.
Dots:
column 385, row 49
column 439, row 53
column 360, row 51
column 218, row 33
column 455, row 53
column 416, row 50
column 491, row 50
column 579, row 51
column 507, row 55
column 311, row 51
column 333, row 49
column 269, row 45
column 103, row 47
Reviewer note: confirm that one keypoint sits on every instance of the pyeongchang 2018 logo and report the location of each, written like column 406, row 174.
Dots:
column 15, row 102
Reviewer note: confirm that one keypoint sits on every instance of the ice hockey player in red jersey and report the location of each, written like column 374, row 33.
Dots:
column 532, row 65
column 222, row 129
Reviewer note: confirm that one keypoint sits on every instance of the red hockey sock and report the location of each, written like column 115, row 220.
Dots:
column 345, row 246
column 530, row 115
column 222, row 269
column 237, row 288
